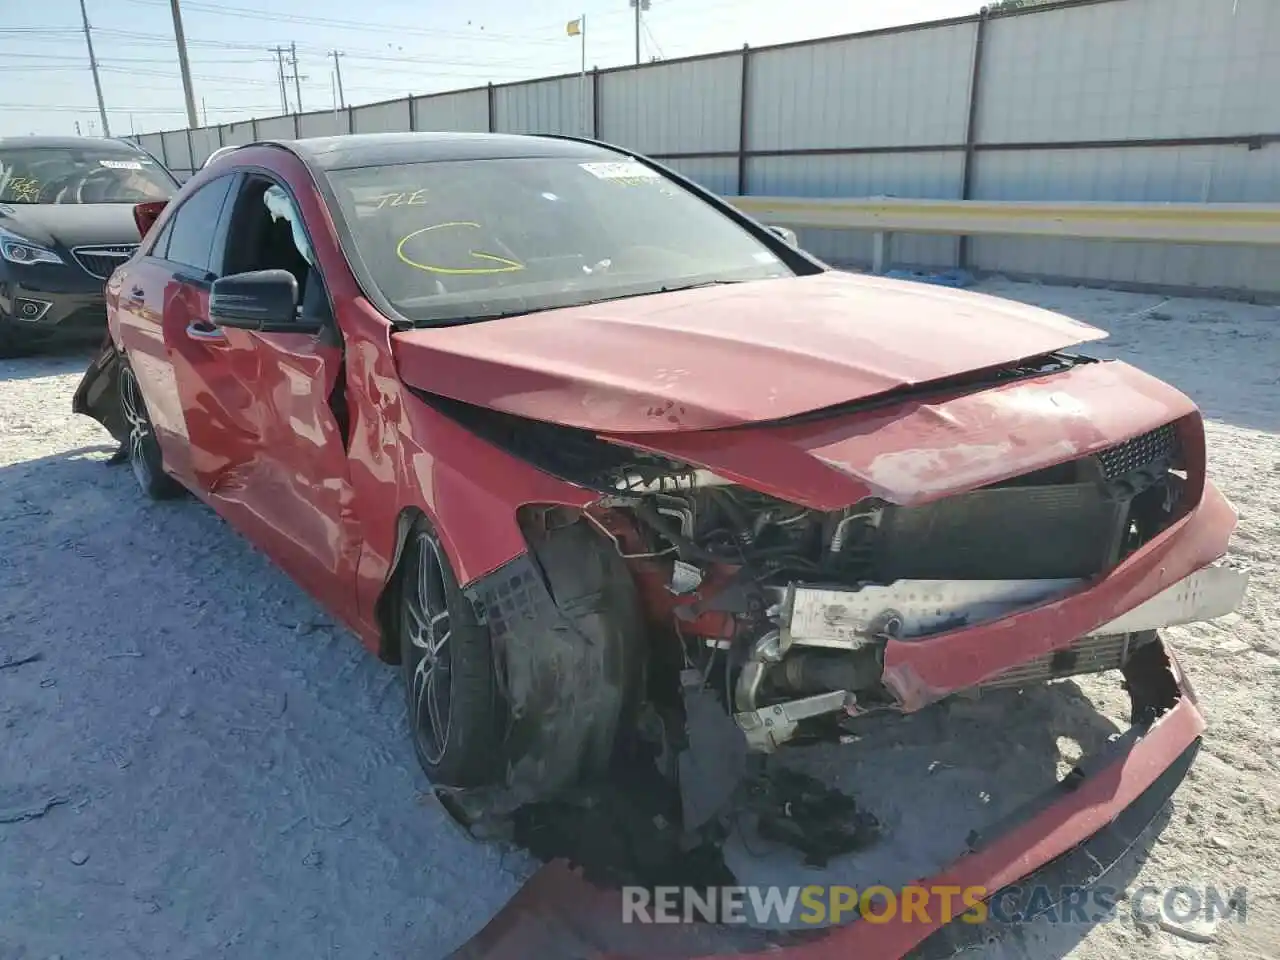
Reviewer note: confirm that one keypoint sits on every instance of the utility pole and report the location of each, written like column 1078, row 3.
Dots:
column 297, row 80
column 204, row 111
column 93, row 66
column 639, row 5
column 337, row 72
column 183, row 65
column 284, row 93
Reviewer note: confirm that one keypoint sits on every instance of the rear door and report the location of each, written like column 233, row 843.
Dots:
column 153, row 291
column 267, row 449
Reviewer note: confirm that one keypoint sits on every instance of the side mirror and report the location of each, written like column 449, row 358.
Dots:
column 146, row 214
column 786, row 235
column 263, row 300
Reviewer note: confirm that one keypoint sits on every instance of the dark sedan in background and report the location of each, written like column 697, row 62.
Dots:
column 66, row 222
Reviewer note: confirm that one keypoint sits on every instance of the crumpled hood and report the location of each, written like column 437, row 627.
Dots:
column 70, row 225
column 727, row 355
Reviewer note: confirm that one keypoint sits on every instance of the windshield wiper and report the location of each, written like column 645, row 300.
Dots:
column 650, row 293
column 478, row 318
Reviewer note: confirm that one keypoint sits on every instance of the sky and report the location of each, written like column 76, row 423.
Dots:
column 389, row 48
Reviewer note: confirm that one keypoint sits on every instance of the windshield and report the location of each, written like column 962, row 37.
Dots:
column 455, row 240
column 81, row 175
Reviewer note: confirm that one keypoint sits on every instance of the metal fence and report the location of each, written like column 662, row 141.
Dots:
column 1111, row 100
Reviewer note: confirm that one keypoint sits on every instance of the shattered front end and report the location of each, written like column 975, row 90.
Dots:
column 709, row 597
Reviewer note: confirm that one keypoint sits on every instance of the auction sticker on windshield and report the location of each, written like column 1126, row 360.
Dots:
column 121, row 164
column 627, row 171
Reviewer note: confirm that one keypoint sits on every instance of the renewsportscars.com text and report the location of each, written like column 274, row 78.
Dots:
column 827, row 905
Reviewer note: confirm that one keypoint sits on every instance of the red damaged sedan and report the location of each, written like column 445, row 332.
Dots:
column 596, row 460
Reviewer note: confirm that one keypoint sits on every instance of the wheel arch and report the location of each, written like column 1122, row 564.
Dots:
column 384, row 607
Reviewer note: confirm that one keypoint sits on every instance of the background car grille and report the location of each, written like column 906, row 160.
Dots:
column 102, row 261
column 1153, row 447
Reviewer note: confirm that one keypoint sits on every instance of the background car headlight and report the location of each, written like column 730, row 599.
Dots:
column 16, row 250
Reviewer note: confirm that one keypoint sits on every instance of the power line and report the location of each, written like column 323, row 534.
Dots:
column 57, row 61
column 240, row 13
column 140, row 110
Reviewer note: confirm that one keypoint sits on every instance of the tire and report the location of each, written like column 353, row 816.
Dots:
column 451, row 693
column 142, row 448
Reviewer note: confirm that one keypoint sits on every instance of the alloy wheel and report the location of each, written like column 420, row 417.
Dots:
column 429, row 630
column 139, row 424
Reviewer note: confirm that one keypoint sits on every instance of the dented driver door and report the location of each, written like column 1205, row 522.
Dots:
column 267, row 449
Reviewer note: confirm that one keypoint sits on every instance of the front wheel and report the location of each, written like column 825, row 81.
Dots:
column 450, row 685
column 141, row 446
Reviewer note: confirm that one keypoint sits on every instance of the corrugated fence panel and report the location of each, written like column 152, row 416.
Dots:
column 381, row 117
column 467, row 111
column 1093, row 72
column 1188, row 174
column 204, row 140
column 717, row 174
column 935, row 176
column 276, row 128
column 237, row 133
column 562, row 105
column 1142, row 68
column 153, row 143
column 899, row 89
column 322, row 123
column 177, row 151
column 690, row 107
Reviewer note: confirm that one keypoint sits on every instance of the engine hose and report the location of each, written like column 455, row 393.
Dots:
column 737, row 517
column 686, row 548
column 807, row 672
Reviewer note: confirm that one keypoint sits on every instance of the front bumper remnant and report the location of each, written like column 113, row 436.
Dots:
column 1070, row 836
column 854, row 620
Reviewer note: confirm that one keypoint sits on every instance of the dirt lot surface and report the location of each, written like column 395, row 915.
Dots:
column 200, row 764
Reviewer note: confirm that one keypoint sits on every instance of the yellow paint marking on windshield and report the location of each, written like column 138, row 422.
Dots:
column 415, row 198
column 504, row 265
column 25, row 189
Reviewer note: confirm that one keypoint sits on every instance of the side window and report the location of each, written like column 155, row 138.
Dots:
column 194, row 224
column 161, row 247
column 267, row 233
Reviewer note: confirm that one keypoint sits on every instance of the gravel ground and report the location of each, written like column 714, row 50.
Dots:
column 201, row 764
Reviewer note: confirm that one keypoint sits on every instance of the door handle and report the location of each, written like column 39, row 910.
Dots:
column 203, row 330
column 137, row 293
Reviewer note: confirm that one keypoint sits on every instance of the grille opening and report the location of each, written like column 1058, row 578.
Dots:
column 102, row 261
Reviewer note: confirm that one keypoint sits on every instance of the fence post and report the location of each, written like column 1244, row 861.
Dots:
column 413, row 116
column 971, row 127
column 351, row 119
column 744, row 105
column 595, row 103
column 492, row 110
column 253, row 130
column 191, row 152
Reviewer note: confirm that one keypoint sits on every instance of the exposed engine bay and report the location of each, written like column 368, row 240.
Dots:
column 784, row 611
